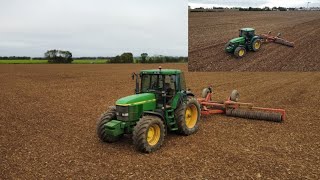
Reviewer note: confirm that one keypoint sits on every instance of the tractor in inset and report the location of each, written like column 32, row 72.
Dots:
column 247, row 41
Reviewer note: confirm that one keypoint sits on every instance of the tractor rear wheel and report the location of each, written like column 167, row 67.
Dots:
column 240, row 52
column 188, row 116
column 256, row 45
column 104, row 119
column 148, row 134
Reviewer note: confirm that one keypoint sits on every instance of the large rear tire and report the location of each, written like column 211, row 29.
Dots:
column 188, row 116
column 148, row 134
column 240, row 52
column 256, row 45
column 102, row 121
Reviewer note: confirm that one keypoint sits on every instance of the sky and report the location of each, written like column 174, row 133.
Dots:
column 94, row 27
column 252, row 3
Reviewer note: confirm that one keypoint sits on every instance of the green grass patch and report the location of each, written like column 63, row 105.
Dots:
column 28, row 61
column 90, row 61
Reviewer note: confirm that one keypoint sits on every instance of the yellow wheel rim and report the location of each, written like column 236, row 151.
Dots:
column 257, row 45
column 241, row 52
column 153, row 134
column 191, row 116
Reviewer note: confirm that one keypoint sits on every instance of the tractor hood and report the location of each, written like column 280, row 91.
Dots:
column 137, row 99
column 236, row 40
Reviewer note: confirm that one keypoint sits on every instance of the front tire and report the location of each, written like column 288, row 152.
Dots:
column 148, row 134
column 102, row 121
column 188, row 117
column 240, row 52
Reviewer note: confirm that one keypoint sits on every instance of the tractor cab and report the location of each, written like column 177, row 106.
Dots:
column 247, row 33
column 164, row 83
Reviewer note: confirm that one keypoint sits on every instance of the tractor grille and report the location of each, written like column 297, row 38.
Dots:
column 122, row 113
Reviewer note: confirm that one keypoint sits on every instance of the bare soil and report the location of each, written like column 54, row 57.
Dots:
column 48, row 127
column 209, row 32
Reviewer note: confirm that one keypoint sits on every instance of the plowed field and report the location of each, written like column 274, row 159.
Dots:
column 48, row 118
column 209, row 32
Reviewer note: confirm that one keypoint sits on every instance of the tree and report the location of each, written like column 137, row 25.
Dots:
column 144, row 57
column 58, row 56
column 123, row 58
column 126, row 57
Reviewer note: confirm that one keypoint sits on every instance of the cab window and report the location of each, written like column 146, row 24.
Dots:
column 151, row 82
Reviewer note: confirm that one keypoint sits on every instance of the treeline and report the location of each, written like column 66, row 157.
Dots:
column 165, row 59
column 145, row 58
column 126, row 57
column 213, row 9
column 14, row 57
column 91, row 58
column 61, row 56
column 267, row 9
column 75, row 58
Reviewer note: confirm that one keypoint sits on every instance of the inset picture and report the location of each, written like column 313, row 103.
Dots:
column 253, row 36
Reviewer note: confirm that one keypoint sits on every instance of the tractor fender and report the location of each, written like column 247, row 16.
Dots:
column 158, row 114
column 189, row 93
column 254, row 38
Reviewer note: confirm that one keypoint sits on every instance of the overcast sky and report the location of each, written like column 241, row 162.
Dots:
column 253, row 3
column 93, row 27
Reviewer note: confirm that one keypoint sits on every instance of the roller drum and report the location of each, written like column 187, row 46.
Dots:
column 284, row 42
column 259, row 115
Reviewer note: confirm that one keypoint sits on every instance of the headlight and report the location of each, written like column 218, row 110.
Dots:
column 125, row 114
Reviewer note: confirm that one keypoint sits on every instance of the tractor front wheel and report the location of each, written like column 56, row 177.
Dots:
column 102, row 121
column 148, row 134
column 188, row 117
column 240, row 52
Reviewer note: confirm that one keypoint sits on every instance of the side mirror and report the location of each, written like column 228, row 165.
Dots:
column 132, row 76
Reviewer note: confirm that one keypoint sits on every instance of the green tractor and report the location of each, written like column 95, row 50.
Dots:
column 161, row 103
column 247, row 40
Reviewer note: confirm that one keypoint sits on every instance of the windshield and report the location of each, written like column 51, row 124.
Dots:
column 155, row 82
column 151, row 82
column 246, row 33
column 242, row 33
